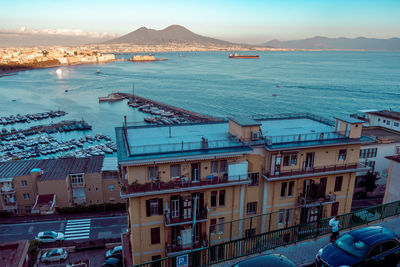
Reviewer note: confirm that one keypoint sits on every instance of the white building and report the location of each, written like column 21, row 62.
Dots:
column 385, row 118
column 393, row 181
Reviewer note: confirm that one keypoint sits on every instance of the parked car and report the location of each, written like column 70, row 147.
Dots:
column 50, row 236
column 368, row 246
column 116, row 252
column 276, row 260
column 57, row 254
column 113, row 262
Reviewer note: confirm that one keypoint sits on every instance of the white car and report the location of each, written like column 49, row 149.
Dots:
column 115, row 252
column 57, row 254
column 50, row 236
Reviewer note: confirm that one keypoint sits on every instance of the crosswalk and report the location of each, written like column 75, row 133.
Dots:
column 77, row 229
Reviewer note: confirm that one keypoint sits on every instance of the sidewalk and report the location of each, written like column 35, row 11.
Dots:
column 59, row 217
column 303, row 253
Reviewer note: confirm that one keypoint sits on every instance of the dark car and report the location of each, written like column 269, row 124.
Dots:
column 368, row 246
column 113, row 262
column 276, row 260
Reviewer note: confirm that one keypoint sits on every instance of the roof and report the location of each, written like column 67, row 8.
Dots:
column 350, row 120
column 381, row 133
column 244, row 121
column 394, row 158
column 373, row 234
column 391, row 114
column 13, row 254
column 52, row 168
column 110, row 164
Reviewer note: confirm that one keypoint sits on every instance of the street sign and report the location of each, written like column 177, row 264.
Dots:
column 182, row 261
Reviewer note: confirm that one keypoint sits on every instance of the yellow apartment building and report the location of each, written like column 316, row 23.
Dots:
column 38, row 186
column 193, row 185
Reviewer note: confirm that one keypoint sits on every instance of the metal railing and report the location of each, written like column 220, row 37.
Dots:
column 287, row 116
column 307, row 137
column 269, row 240
column 170, row 220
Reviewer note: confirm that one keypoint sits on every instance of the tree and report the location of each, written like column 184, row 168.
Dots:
column 369, row 182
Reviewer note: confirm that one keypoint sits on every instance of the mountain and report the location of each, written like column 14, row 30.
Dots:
column 318, row 42
column 15, row 39
column 171, row 34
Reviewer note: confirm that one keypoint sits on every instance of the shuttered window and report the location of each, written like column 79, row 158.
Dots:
column 154, row 206
column 155, row 235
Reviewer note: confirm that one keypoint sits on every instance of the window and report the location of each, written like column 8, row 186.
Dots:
column 293, row 162
column 254, row 178
column 214, row 166
column 221, row 198
column 335, row 209
column 89, row 189
column 213, row 223
column 288, row 213
column 286, row 160
column 155, row 235
column 154, row 206
column 28, row 208
column 97, row 201
column 221, row 225
column 90, row 202
column 338, row 183
column 110, row 187
column 153, row 173
column 388, row 123
column 283, row 189
column 371, row 164
column 389, row 245
column 26, row 196
column 175, row 171
column 24, row 183
column 379, row 119
column 281, row 214
column 251, row 208
column 223, row 166
column 291, row 188
column 342, row 154
column 368, row 153
column 154, row 258
column 97, row 189
column 214, row 198
column 250, row 232
column 77, row 180
column 396, row 124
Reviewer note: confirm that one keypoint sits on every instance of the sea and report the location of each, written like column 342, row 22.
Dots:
column 325, row 83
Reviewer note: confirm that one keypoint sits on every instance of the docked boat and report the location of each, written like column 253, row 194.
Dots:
column 236, row 55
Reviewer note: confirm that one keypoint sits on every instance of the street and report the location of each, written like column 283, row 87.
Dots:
column 74, row 229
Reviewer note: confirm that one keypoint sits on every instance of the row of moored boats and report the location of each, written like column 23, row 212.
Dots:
column 30, row 117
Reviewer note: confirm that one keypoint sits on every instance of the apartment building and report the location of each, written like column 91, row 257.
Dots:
column 184, row 182
column 38, row 186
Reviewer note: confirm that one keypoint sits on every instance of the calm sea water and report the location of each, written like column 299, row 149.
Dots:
column 324, row 83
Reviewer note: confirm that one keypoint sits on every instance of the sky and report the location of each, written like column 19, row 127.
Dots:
column 249, row 21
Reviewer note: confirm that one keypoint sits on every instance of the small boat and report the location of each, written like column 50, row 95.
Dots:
column 274, row 95
column 236, row 55
column 278, row 85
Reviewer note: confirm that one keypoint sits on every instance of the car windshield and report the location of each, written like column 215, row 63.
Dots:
column 53, row 234
column 352, row 246
column 53, row 252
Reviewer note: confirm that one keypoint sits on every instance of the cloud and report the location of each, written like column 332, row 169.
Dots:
column 63, row 32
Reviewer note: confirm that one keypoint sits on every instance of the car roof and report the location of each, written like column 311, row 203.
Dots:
column 277, row 260
column 373, row 235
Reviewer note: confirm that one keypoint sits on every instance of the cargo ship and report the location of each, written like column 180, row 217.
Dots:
column 243, row 56
column 145, row 58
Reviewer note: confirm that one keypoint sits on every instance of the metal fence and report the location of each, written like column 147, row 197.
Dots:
column 257, row 243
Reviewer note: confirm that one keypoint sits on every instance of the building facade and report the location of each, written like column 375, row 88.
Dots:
column 38, row 186
column 194, row 185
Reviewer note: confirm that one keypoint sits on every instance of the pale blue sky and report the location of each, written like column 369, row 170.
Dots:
column 253, row 21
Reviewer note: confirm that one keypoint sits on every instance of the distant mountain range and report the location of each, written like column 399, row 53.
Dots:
column 172, row 34
column 318, row 42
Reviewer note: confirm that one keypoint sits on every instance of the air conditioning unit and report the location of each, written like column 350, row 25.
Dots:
column 255, row 136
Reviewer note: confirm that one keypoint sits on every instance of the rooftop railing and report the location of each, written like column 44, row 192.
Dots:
column 287, row 116
column 297, row 138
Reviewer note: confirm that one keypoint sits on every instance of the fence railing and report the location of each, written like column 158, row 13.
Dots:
column 234, row 249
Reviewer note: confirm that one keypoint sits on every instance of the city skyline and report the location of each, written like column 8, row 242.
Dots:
column 242, row 21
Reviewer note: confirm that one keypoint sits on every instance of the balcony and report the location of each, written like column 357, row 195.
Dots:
column 160, row 187
column 178, row 249
column 7, row 190
column 200, row 217
column 307, row 202
column 315, row 171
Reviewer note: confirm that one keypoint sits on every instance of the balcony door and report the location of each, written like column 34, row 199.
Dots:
column 309, row 160
column 187, row 208
column 195, row 172
column 199, row 199
column 186, row 237
column 175, row 207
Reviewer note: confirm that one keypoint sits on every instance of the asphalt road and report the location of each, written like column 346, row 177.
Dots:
column 74, row 229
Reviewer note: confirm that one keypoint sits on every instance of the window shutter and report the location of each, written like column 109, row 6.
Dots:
column 148, row 212
column 155, row 235
column 160, row 206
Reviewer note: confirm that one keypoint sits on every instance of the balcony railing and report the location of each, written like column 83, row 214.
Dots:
column 296, row 138
column 170, row 248
column 7, row 189
column 310, row 201
column 183, row 184
column 315, row 170
column 171, row 221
